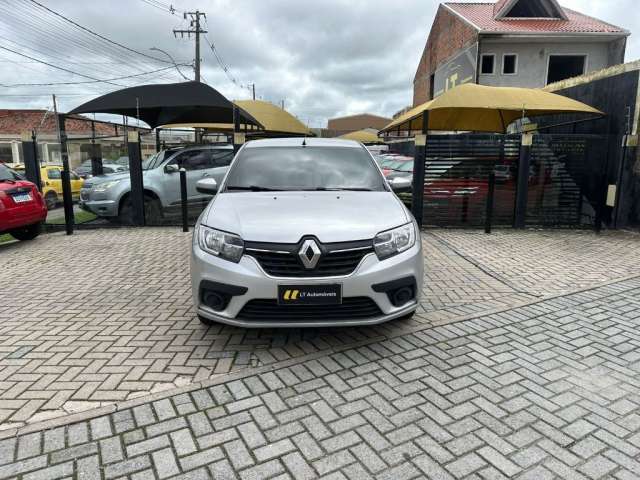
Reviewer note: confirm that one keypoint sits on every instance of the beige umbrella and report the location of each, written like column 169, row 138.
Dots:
column 479, row 108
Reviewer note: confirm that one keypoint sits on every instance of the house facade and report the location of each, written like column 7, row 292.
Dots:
column 516, row 43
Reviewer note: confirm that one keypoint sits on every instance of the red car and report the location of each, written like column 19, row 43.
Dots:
column 22, row 208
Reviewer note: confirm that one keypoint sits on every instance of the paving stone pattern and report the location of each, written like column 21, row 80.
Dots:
column 548, row 390
column 105, row 316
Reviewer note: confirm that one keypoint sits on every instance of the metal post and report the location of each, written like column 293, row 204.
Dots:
column 183, row 199
column 30, row 157
column 522, row 189
column 96, row 153
column 157, row 140
column 66, row 176
column 135, row 175
column 417, row 194
column 488, row 219
column 619, row 180
column 238, row 137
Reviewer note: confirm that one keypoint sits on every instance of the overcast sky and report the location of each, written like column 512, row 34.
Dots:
column 324, row 58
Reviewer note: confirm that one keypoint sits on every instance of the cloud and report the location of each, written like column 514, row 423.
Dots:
column 325, row 58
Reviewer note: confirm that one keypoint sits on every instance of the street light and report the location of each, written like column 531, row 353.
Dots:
column 174, row 62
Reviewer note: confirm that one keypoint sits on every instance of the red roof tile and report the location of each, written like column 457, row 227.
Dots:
column 19, row 121
column 482, row 16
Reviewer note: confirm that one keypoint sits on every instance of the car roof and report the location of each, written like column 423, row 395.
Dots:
column 309, row 142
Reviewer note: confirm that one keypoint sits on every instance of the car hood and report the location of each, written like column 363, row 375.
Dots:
column 106, row 178
column 285, row 217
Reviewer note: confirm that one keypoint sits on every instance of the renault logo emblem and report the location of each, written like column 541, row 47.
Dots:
column 309, row 254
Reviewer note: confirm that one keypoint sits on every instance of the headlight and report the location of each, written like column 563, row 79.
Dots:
column 103, row 187
column 221, row 244
column 391, row 242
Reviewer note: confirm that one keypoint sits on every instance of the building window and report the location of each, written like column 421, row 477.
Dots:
column 487, row 64
column 509, row 64
column 562, row 67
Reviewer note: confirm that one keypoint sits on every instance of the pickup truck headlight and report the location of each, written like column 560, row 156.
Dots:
column 103, row 187
column 394, row 241
column 221, row 244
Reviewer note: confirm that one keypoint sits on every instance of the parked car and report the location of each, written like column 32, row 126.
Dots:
column 22, row 208
column 397, row 164
column 109, row 195
column 51, row 177
column 51, row 184
column 84, row 170
column 305, row 233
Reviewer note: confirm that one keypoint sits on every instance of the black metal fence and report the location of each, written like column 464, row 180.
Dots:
column 468, row 180
column 472, row 180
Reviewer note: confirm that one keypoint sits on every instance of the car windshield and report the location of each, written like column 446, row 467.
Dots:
column 153, row 161
column 8, row 174
column 304, row 168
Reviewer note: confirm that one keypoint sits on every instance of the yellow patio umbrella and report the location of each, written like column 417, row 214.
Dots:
column 480, row 108
column 273, row 118
column 364, row 136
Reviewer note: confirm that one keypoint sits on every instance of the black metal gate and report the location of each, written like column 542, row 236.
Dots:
column 456, row 181
column 560, row 186
column 562, row 191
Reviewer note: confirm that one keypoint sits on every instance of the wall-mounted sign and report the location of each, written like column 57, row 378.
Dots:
column 460, row 69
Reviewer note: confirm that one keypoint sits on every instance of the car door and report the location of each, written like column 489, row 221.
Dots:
column 54, row 180
column 195, row 162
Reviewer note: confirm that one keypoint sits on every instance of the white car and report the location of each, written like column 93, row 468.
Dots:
column 304, row 233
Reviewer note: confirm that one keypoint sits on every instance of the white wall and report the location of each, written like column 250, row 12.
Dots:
column 533, row 59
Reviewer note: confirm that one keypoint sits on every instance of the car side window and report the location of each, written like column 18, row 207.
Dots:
column 53, row 174
column 192, row 160
column 221, row 158
column 107, row 170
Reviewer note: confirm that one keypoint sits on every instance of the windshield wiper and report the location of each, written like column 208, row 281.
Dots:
column 7, row 180
column 253, row 188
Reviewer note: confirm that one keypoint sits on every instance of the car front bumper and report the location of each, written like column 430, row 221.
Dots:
column 260, row 286
column 102, row 208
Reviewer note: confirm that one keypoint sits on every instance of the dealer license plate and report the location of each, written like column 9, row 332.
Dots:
column 322, row 294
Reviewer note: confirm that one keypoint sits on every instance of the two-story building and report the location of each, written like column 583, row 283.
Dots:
column 517, row 43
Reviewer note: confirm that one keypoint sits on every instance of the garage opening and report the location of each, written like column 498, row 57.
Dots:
column 562, row 67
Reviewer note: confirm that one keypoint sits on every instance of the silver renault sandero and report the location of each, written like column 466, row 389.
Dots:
column 305, row 233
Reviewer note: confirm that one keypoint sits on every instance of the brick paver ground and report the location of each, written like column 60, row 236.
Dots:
column 548, row 390
column 106, row 316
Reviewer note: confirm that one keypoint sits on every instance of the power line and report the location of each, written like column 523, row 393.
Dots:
column 31, row 20
column 106, row 80
column 57, row 67
column 96, row 34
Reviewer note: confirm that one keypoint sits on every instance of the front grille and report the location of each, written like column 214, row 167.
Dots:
column 270, row 311
column 282, row 260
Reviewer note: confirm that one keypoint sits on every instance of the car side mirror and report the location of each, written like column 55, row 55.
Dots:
column 207, row 185
column 172, row 168
column 401, row 184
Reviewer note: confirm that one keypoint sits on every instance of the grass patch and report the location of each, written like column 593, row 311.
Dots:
column 80, row 217
column 6, row 238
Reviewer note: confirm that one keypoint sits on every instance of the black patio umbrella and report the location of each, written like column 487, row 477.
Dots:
column 169, row 103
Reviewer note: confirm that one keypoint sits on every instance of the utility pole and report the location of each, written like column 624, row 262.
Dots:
column 196, row 30
column 253, row 89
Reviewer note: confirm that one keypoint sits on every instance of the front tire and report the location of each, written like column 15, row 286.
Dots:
column 152, row 211
column 27, row 233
